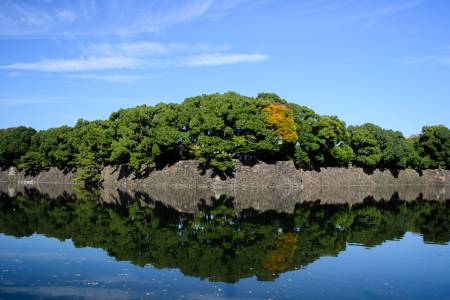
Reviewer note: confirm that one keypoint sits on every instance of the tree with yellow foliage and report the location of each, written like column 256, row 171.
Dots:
column 280, row 116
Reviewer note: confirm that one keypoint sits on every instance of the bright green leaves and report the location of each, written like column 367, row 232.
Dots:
column 329, row 132
column 397, row 151
column 145, row 137
column 375, row 147
column 343, row 155
column 322, row 140
column 222, row 162
column 365, row 145
column 434, row 146
column 54, row 144
column 218, row 130
column 33, row 162
column 221, row 128
column 88, row 169
column 92, row 142
column 301, row 158
column 14, row 142
column 120, row 150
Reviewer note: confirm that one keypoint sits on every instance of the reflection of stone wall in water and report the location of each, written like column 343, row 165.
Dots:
column 261, row 199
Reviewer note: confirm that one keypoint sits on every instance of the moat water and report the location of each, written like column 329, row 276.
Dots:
column 74, row 245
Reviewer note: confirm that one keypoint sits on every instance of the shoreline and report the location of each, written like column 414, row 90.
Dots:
column 277, row 187
column 283, row 174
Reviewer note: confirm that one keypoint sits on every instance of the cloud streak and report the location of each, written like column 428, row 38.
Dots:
column 138, row 55
column 77, row 65
column 439, row 57
column 420, row 60
column 46, row 18
column 218, row 59
column 446, row 60
column 12, row 101
column 66, row 15
column 145, row 49
column 134, row 17
column 347, row 12
column 33, row 99
column 118, row 78
column 394, row 8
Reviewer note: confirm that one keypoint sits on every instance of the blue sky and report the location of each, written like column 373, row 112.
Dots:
column 386, row 62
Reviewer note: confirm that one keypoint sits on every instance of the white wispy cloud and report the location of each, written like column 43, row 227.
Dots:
column 138, row 55
column 217, row 59
column 12, row 74
column 111, row 77
column 438, row 56
column 372, row 12
column 420, row 59
column 347, row 12
column 394, row 8
column 134, row 17
column 78, row 64
column 145, row 49
column 66, row 15
column 29, row 100
column 33, row 19
column 135, row 49
column 150, row 19
column 129, row 17
column 37, row 99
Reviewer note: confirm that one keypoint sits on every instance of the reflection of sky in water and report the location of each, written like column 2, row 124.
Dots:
column 37, row 266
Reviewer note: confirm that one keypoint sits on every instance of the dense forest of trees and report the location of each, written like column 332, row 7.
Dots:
column 214, row 243
column 219, row 129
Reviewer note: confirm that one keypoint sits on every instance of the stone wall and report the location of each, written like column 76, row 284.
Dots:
column 357, row 177
column 279, row 175
column 52, row 175
column 188, row 173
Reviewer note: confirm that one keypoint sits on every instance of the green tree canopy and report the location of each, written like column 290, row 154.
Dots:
column 217, row 130
column 14, row 142
column 434, row 146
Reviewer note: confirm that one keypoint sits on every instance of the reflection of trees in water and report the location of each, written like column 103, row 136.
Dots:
column 278, row 258
column 217, row 243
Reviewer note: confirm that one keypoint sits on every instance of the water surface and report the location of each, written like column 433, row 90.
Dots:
column 76, row 246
